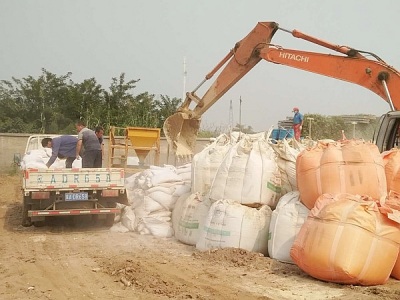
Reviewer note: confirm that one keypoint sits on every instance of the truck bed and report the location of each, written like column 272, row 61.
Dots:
column 69, row 192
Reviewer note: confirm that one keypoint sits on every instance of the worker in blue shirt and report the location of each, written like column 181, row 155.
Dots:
column 297, row 123
column 62, row 147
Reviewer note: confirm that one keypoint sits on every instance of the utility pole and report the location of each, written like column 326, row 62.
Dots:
column 240, row 114
column 230, row 117
column 184, row 79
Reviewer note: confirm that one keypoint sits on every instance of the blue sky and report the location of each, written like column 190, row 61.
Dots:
column 148, row 40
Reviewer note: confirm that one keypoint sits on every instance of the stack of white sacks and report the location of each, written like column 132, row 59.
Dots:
column 37, row 159
column 152, row 195
column 240, row 192
column 236, row 185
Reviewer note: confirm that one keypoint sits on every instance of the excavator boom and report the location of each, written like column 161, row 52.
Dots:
column 181, row 129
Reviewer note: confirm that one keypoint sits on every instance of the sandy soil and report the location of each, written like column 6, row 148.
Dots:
column 74, row 259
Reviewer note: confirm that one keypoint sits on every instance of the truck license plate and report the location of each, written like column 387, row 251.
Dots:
column 76, row 196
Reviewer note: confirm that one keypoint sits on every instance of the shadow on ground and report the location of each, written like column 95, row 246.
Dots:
column 13, row 218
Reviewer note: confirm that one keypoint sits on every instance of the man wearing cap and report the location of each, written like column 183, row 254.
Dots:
column 297, row 123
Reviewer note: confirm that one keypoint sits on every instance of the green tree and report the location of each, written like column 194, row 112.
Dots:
column 87, row 102
column 119, row 101
column 331, row 127
column 243, row 128
column 37, row 99
column 166, row 107
column 144, row 111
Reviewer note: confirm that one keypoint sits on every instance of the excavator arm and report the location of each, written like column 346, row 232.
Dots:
column 181, row 129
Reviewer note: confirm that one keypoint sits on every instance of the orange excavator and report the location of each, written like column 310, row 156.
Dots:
column 352, row 65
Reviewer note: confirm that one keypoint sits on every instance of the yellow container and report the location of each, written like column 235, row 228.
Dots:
column 143, row 137
column 143, row 140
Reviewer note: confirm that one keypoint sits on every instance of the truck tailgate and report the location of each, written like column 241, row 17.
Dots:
column 67, row 179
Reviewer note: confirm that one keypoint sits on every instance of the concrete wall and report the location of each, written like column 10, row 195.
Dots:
column 13, row 144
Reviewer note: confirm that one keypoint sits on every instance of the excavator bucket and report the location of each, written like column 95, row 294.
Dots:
column 181, row 133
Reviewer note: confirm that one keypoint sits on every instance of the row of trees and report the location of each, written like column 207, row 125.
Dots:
column 319, row 127
column 52, row 104
column 316, row 127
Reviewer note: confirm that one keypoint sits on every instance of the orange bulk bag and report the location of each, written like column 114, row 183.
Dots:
column 346, row 239
column 391, row 207
column 348, row 166
column 307, row 174
column 391, row 162
column 396, row 269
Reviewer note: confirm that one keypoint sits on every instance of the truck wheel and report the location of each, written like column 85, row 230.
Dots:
column 26, row 221
column 111, row 217
column 95, row 219
column 39, row 223
column 110, row 220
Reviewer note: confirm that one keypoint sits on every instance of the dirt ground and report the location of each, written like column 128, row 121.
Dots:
column 74, row 259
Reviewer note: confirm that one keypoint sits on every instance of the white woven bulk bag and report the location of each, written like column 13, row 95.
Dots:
column 286, row 221
column 206, row 163
column 228, row 181
column 185, row 172
column 230, row 224
column 177, row 210
column 286, row 161
column 193, row 213
column 180, row 189
column 253, row 174
column 271, row 185
column 248, row 174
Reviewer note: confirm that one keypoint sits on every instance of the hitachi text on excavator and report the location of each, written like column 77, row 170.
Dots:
column 352, row 65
